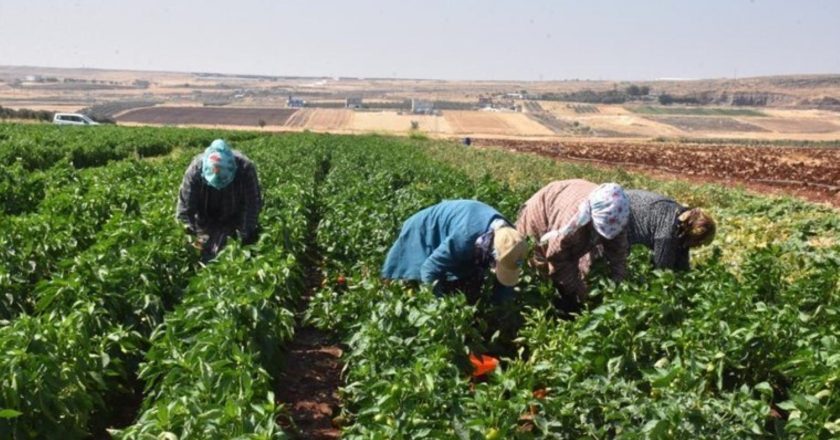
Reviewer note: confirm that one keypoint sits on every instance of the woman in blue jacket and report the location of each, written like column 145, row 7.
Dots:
column 453, row 244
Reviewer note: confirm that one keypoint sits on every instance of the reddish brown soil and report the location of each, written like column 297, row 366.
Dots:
column 309, row 385
column 812, row 173
column 207, row 116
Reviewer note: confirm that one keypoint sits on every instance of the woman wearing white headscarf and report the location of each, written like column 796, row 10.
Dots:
column 569, row 219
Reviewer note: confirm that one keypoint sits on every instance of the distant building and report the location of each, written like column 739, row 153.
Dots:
column 353, row 102
column 501, row 104
column 294, row 102
column 420, row 107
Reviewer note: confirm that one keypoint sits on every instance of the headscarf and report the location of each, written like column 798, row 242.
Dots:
column 484, row 249
column 607, row 207
column 218, row 166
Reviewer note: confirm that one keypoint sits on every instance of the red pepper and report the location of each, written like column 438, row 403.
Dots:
column 483, row 365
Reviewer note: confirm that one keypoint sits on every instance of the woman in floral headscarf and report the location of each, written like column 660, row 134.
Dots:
column 569, row 219
column 220, row 197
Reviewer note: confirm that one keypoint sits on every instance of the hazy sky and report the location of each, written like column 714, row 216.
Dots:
column 470, row 39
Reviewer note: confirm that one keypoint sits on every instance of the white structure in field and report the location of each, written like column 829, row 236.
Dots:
column 420, row 107
column 354, row 102
column 294, row 102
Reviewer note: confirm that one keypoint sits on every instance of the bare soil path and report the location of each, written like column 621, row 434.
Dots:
column 309, row 383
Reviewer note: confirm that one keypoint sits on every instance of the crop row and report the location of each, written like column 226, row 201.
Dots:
column 209, row 369
column 77, row 353
column 715, row 353
column 42, row 244
column 406, row 358
column 78, row 349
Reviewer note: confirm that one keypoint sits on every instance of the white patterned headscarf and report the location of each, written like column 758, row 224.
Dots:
column 607, row 207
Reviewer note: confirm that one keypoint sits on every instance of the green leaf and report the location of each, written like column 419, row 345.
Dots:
column 764, row 388
column 7, row 413
column 787, row 405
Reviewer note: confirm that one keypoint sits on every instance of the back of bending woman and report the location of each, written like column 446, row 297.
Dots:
column 569, row 219
column 669, row 229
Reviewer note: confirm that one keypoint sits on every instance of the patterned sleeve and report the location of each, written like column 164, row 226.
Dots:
column 564, row 269
column 616, row 252
column 567, row 274
column 188, row 196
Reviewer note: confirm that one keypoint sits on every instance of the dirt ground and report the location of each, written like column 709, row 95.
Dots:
column 811, row 173
column 309, row 385
column 481, row 122
column 321, row 119
column 392, row 122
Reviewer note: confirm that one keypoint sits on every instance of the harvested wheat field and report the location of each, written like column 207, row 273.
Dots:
column 798, row 125
column 393, row 122
column 632, row 125
column 511, row 124
column 708, row 124
column 321, row 119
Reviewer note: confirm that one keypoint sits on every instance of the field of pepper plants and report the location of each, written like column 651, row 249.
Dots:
column 110, row 326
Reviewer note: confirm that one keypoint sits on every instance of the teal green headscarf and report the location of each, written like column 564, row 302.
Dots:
column 219, row 165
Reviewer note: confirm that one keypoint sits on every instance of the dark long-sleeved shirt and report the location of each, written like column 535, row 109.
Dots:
column 236, row 206
column 654, row 223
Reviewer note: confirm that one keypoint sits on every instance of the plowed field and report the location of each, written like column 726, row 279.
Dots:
column 321, row 119
column 810, row 172
column 250, row 117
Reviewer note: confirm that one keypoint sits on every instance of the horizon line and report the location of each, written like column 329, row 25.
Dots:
column 395, row 78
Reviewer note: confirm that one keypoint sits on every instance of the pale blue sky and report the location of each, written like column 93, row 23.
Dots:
column 470, row 39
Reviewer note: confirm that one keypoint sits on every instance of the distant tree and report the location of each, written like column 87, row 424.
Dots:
column 261, row 123
column 634, row 90
column 666, row 99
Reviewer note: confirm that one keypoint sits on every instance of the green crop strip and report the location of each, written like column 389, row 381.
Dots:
column 209, row 368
